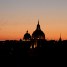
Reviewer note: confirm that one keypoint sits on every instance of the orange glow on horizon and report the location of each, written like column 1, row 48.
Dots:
column 18, row 33
column 15, row 27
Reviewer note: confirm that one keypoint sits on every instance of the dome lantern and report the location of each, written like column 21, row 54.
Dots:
column 38, row 26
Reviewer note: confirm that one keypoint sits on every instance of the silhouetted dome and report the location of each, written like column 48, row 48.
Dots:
column 38, row 34
column 27, row 36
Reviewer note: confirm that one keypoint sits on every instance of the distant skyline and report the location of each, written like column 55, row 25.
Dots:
column 18, row 16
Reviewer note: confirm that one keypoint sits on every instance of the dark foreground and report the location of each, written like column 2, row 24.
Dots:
column 19, row 54
column 21, row 48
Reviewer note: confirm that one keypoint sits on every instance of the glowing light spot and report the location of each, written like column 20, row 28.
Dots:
column 31, row 47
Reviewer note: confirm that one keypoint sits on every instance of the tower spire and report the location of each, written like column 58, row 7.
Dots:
column 38, row 22
column 38, row 26
column 60, row 37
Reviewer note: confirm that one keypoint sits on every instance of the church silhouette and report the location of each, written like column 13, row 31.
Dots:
column 32, row 45
column 37, row 34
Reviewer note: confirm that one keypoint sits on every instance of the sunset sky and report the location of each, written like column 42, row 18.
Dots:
column 18, row 16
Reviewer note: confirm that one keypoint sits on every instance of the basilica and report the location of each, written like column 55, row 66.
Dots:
column 38, row 34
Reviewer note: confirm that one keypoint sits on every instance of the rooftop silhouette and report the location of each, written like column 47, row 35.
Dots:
column 31, row 45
